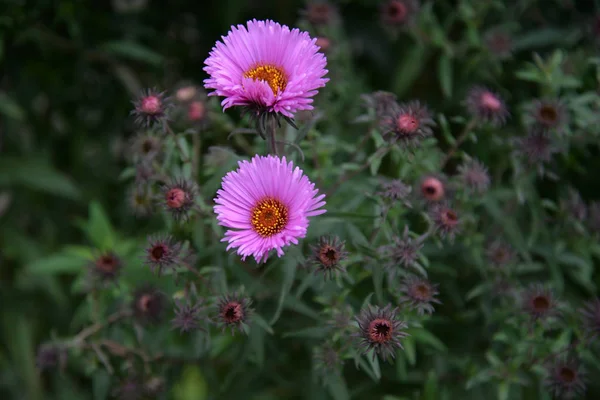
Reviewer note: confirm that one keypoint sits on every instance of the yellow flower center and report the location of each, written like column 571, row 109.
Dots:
column 269, row 217
column 271, row 74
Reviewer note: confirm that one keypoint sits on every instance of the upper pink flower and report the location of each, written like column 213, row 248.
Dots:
column 266, row 66
column 266, row 203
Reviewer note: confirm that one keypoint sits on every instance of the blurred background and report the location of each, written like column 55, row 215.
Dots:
column 69, row 71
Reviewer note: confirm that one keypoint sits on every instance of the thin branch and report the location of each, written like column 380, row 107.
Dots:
column 461, row 138
column 378, row 229
column 185, row 159
column 97, row 327
column 199, row 275
column 103, row 359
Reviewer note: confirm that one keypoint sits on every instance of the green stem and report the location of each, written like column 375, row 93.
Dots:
column 461, row 138
column 272, row 129
column 196, row 154
column 184, row 158
column 91, row 330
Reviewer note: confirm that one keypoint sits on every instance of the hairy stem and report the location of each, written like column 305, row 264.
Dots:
column 271, row 131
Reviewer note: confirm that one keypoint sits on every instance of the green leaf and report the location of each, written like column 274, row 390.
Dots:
column 509, row 225
column 191, row 385
column 99, row 229
column 544, row 37
column 503, row 390
column 374, row 363
column 133, row 51
column 101, row 385
column 378, row 282
column 289, row 273
column 445, row 75
column 184, row 148
column 426, row 337
column 477, row 291
column 36, row 174
column 430, row 391
column 375, row 161
column 480, row 377
column 316, row 332
column 257, row 345
column 410, row 69
column 410, row 350
column 260, row 321
column 401, row 369
column 293, row 303
column 18, row 332
column 10, row 108
column 59, row 263
column 337, row 387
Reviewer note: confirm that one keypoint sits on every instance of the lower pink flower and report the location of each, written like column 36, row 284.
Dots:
column 266, row 204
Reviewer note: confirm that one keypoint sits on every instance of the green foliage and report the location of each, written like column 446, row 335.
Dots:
column 76, row 186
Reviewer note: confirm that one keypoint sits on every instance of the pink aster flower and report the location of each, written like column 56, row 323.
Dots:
column 266, row 204
column 267, row 67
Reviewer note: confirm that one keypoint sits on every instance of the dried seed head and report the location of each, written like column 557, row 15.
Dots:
column 326, row 361
column 155, row 386
column 341, row 317
column 402, row 252
column 384, row 103
column 148, row 305
column 537, row 147
column 487, row 106
column 163, row 252
column 188, row 315
column 474, row 175
column 130, row 388
column 380, row 330
column 399, row 12
column 539, row 302
column 50, row 356
column 141, row 200
column 500, row 254
column 144, row 172
column 320, row 13
column 549, row 114
column 233, row 312
column 106, row 267
column 395, row 190
column 145, row 146
column 564, row 379
column 419, row 294
column 178, row 197
column 446, row 220
column 499, row 43
column 151, row 108
column 573, row 206
column 407, row 123
column 328, row 254
column 590, row 314
column 593, row 220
